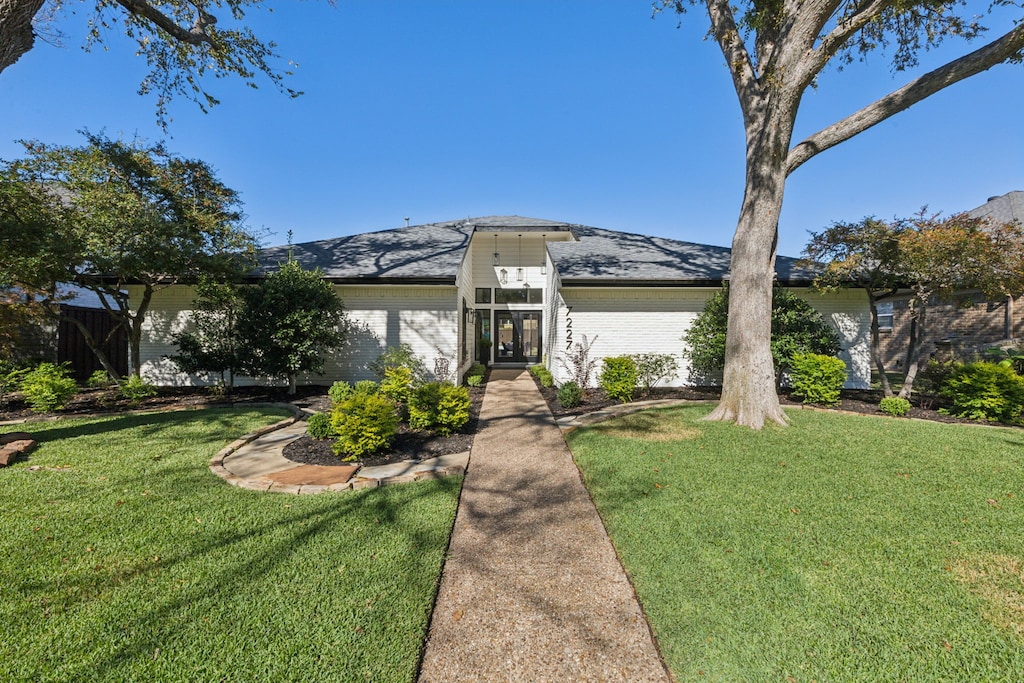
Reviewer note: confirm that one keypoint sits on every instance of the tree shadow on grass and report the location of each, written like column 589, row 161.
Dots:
column 239, row 562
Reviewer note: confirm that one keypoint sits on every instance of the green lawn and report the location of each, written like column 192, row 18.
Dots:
column 844, row 548
column 125, row 559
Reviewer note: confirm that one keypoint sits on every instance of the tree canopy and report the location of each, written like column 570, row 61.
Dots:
column 774, row 51
column 181, row 41
column 928, row 256
column 110, row 214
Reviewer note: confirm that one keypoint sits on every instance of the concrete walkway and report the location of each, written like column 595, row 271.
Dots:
column 532, row 589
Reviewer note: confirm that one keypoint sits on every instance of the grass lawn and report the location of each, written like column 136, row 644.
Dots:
column 844, row 548
column 125, row 559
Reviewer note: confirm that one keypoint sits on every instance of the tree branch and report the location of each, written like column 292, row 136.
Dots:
column 197, row 35
column 723, row 27
column 1000, row 50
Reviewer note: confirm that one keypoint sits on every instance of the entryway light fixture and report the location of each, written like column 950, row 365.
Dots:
column 504, row 276
column 519, row 270
column 496, row 258
column 544, row 255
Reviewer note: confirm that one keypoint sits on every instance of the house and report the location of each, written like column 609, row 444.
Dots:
column 507, row 290
column 958, row 328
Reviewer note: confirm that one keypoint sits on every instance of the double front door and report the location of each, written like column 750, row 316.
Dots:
column 518, row 337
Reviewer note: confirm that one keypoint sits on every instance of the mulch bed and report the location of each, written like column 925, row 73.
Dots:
column 862, row 401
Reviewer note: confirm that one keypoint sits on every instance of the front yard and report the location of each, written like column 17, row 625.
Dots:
column 845, row 548
column 122, row 558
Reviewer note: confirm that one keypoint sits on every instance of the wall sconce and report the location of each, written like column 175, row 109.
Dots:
column 504, row 276
column 496, row 257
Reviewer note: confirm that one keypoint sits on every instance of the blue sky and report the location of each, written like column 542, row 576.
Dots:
column 584, row 112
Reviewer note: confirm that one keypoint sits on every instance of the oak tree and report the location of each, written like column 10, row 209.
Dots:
column 181, row 41
column 775, row 50
column 111, row 215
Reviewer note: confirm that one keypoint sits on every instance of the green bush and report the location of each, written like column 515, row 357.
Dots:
column 570, row 395
column 339, row 391
column 365, row 423
column 318, row 426
column 10, row 377
column 401, row 356
column 48, row 387
column 367, row 387
column 985, row 391
column 134, row 389
column 894, row 405
column 474, row 380
column 535, row 369
column 477, row 370
column 543, row 376
column 397, row 384
column 441, row 408
column 99, row 380
column 817, row 378
column 652, row 368
column 933, row 375
column 618, row 378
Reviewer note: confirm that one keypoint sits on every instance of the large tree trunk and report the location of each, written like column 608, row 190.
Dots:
column 135, row 329
column 918, row 334
column 16, row 33
column 748, row 385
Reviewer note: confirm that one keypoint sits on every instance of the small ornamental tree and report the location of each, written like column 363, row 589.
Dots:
column 796, row 328
column 211, row 345
column 290, row 320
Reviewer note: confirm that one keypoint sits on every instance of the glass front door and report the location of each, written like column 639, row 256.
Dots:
column 517, row 338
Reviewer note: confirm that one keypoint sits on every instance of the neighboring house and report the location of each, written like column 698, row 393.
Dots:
column 958, row 328
column 512, row 291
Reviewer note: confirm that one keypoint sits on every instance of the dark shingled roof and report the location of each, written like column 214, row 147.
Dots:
column 432, row 253
column 1006, row 208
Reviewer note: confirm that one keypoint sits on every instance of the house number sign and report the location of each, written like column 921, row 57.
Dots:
column 568, row 328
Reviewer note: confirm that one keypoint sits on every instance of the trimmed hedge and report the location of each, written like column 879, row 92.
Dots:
column 619, row 378
column 817, row 378
column 441, row 408
column 365, row 423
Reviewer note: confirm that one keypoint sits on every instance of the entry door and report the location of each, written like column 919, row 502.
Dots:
column 518, row 336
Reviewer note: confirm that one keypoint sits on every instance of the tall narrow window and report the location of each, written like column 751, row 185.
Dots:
column 885, row 315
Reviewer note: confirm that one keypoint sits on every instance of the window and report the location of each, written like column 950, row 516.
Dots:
column 483, row 295
column 519, row 295
column 885, row 317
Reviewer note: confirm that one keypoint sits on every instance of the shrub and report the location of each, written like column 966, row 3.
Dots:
column 364, row 423
column 477, row 370
column 99, row 380
column 817, row 378
column 894, row 405
column 933, row 375
column 985, row 391
column 10, row 377
column 367, row 387
column 134, row 389
column 618, row 378
column 474, row 380
column 318, row 426
column 570, row 395
column 339, row 391
column 48, row 387
column 397, row 384
column 543, row 375
column 401, row 356
column 579, row 364
column 441, row 408
column 652, row 368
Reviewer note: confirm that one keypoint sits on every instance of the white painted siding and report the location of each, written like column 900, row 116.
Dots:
column 467, row 325
column 653, row 320
column 425, row 317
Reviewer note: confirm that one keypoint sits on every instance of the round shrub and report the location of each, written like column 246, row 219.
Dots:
column 365, row 423
column 618, row 378
column 339, row 391
column 318, row 426
column 570, row 395
column 441, row 408
column 134, row 389
column 894, row 405
column 985, row 391
column 545, row 377
column 817, row 378
column 367, row 387
column 48, row 387
column 474, row 380
column 397, row 384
